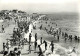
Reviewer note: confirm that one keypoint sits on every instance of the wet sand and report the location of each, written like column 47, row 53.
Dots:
column 67, row 45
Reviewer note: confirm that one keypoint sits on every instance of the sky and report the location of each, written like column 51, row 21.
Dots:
column 41, row 5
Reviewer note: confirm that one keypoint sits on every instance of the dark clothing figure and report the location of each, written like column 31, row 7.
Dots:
column 4, row 46
column 70, row 37
column 29, row 48
column 5, row 53
column 12, row 53
column 52, row 46
column 19, row 53
column 45, row 45
column 35, row 45
column 2, row 29
column 66, row 35
column 40, row 51
column 58, row 37
column 40, row 27
column 35, row 36
column 75, row 38
column 30, row 38
column 15, row 51
column 41, row 40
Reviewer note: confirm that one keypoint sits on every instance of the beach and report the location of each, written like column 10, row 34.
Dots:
column 42, row 33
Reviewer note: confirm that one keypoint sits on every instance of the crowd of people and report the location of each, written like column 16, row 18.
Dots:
column 18, row 40
column 70, row 37
column 40, row 52
column 57, row 32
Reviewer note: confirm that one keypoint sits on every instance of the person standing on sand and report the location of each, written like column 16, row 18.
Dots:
column 58, row 37
column 40, row 50
column 35, row 45
column 3, row 29
column 45, row 45
column 4, row 46
column 29, row 48
column 30, row 38
column 52, row 46
column 41, row 40
column 35, row 36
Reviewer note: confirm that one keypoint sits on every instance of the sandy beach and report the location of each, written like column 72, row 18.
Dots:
column 42, row 33
column 61, row 44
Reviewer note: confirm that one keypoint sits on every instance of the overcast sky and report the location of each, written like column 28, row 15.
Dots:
column 41, row 5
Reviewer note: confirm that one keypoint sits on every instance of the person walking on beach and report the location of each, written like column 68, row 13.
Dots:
column 45, row 45
column 30, row 38
column 35, row 36
column 58, row 37
column 41, row 40
column 4, row 46
column 40, row 51
column 3, row 29
column 35, row 45
column 52, row 46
